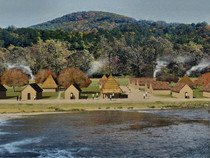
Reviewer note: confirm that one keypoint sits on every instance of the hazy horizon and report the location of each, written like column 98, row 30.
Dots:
column 24, row 13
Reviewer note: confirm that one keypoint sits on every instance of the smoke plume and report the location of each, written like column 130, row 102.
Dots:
column 96, row 66
column 160, row 64
column 26, row 69
column 202, row 65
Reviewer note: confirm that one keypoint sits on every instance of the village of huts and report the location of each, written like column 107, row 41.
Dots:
column 108, row 87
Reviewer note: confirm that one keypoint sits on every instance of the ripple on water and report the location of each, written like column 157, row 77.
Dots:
column 15, row 147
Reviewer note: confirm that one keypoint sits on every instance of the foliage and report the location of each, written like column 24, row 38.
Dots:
column 14, row 77
column 70, row 76
column 43, row 74
column 127, row 46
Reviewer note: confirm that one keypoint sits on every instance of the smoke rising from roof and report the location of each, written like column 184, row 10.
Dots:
column 160, row 64
column 96, row 66
column 202, row 65
column 26, row 69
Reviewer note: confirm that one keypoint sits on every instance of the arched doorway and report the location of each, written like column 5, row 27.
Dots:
column 29, row 96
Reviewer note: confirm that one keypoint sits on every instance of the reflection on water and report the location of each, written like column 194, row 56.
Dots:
column 152, row 133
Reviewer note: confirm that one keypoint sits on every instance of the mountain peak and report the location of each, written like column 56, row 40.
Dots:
column 86, row 21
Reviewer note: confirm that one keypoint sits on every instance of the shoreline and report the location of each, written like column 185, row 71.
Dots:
column 48, row 108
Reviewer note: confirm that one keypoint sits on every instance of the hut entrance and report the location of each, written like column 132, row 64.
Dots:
column 186, row 95
column 29, row 96
column 72, row 96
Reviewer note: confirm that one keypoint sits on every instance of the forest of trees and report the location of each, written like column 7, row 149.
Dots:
column 129, row 49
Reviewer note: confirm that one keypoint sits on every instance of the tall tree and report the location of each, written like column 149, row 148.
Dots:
column 70, row 76
column 42, row 75
column 14, row 77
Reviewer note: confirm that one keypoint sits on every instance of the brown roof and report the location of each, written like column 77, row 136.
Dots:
column 49, row 83
column 142, row 80
column 158, row 85
column 36, row 87
column 203, row 80
column 2, row 88
column 111, row 86
column 187, row 80
column 207, row 88
column 178, row 87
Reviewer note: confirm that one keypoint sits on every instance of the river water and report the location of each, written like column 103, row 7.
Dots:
column 149, row 133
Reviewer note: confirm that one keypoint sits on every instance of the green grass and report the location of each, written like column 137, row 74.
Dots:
column 11, row 94
column 50, row 95
column 93, row 87
column 198, row 92
column 123, row 81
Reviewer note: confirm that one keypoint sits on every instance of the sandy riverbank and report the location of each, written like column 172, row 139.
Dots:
column 48, row 108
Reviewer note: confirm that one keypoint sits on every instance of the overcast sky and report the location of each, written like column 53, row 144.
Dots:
column 23, row 13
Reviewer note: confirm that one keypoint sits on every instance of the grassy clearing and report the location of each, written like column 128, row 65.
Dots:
column 50, row 95
column 30, row 108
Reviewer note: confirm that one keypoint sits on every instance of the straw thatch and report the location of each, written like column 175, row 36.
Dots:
column 158, row 85
column 188, row 81
column 203, row 80
column 111, row 86
column 49, row 83
column 142, row 81
column 145, row 81
column 178, row 87
column 102, row 81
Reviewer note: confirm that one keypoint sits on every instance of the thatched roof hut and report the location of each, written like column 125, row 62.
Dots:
column 158, row 87
column 31, row 92
column 49, row 84
column 72, row 92
column 145, row 81
column 111, row 86
column 181, row 90
column 102, row 81
column 188, row 81
column 2, row 92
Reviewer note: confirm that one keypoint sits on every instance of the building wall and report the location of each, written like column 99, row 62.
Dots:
column 74, row 91
column 206, row 94
column 175, row 95
column 181, row 94
column 3, row 95
column 187, row 89
column 32, row 92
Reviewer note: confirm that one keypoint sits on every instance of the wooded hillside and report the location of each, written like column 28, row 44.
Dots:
column 108, row 42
